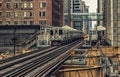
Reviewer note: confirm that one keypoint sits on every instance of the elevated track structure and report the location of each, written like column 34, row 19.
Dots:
column 94, row 61
column 40, row 63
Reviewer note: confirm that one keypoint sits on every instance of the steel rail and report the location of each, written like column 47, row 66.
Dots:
column 12, row 65
column 22, row 55
column 60, row 60
column 33, row 65
column 21, row 69
column 51, row 65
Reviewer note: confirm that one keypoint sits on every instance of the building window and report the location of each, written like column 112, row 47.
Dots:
column 42, row 5
column 8, row 5
column 16, row 14
column 0, row 22
column 42, row 22
column 15, row 22
column 31, row 22
column 0, row 5
column 15, row 5
column 8, row 14
column 25, row 5
column 24, row 22
column 25, row 14
column 31, row 14
column 7, row 22
column 31, row 5
column 0, row 14
column 42, row 14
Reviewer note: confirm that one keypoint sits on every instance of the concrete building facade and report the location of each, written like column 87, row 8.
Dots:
column 67, row 15
column 111, row 20
column 77, row 8
column 71, row 8
column 31, row 12
column 100, row 10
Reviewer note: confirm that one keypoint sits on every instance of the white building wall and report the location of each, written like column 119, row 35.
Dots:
column 113, row 22
column 111, row 30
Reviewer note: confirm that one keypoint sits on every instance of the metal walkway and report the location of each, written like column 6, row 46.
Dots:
column 86, row 16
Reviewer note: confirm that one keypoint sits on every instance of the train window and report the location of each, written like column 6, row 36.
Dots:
column 94, row 33
column 41, row 33
column 103, row 33
column 51, row 32
column 90, row 32
column 56, row 31
column 60, row 32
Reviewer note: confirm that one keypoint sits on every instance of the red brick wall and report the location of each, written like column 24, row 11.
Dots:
column 61, row 13
column 54, row 12
column 48, row 10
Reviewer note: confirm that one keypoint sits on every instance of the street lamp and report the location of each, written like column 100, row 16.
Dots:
column 14, row 39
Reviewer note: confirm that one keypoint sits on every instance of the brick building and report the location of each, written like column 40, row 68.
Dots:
column 31, row 12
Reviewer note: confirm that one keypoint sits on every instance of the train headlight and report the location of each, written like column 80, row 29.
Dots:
column 59, row 36
column 52, row 37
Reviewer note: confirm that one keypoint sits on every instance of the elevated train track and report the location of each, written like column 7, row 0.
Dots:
column 18, row 60
column 38, row 64
column 99, row 63
column 6, row 60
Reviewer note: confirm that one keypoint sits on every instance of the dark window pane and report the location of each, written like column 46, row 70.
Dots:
column 60, row 32
column 31, row 22
column 0, row 4
column 0, row 14
column 51, row 32
column 8, row 5
column 15, row 5
column 43, row 22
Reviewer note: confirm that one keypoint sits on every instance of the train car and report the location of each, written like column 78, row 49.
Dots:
column 73, row 33
column 63, row 35
column 93, row 36
column 56, row 34
column 44, row 38
column 70, row 33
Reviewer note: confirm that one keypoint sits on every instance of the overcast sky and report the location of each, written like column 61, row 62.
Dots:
column 92, row 5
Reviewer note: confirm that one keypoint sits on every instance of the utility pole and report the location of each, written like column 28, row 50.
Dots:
column 14, row 39
column 69, row 12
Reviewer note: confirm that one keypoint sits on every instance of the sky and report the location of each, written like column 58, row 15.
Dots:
column 92, row 8
column 92, row 5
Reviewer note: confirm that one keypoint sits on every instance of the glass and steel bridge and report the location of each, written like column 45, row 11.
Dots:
column 86, row 16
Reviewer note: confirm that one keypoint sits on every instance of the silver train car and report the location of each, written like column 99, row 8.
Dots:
column 44, row 38
column 58, row 36
column 64, row 35
column 93, row 35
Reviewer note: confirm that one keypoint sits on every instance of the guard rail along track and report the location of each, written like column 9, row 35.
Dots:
column 40, row 65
